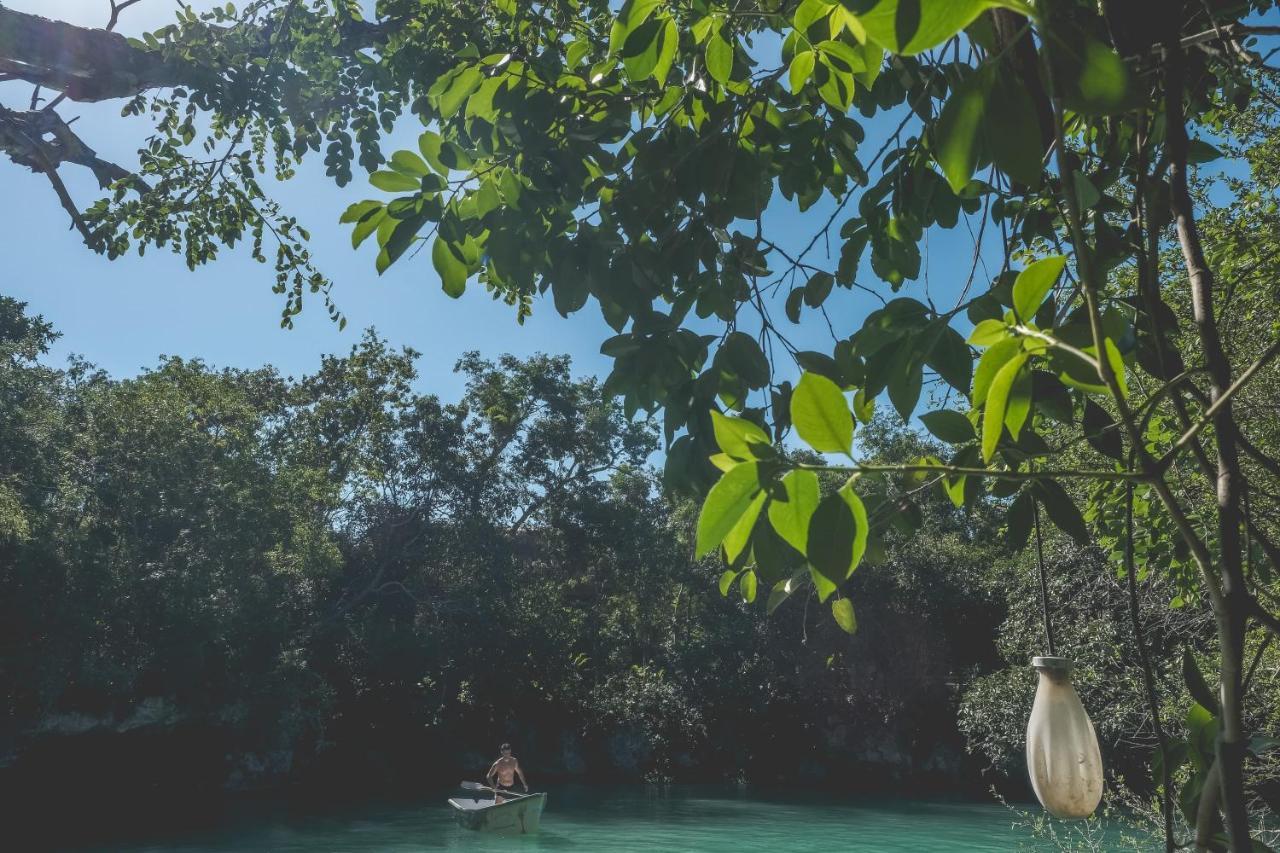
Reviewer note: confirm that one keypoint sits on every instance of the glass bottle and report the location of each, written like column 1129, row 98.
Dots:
column 1062, row 747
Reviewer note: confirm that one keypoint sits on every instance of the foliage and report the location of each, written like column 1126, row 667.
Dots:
column 337, row 577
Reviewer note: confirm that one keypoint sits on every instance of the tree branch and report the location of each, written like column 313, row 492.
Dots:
column 23, row 138
column 90, row 64
column 1220, row 403
column 13, row 132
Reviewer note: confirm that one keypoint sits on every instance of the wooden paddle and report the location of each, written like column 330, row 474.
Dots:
column 476, row 786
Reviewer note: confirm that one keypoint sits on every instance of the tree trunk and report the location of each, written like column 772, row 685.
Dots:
column 1231, row 617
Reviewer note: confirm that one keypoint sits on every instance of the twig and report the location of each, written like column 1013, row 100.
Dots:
column 1222, row 401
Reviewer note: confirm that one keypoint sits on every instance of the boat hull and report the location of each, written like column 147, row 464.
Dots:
column 517, row 816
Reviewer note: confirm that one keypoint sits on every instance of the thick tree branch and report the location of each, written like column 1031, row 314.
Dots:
column 89, row 64
column 13, row 135
column 40, row 139
column 86, row 64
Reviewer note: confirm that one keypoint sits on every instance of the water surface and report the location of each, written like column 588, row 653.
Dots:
column 633, row 819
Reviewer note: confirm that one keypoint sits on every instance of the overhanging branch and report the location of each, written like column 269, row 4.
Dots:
column 85, row 63
column 90, row 64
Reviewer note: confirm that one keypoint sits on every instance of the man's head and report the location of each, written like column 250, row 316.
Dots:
column 505, row 749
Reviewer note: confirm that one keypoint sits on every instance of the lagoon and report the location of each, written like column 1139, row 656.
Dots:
column 629, row 819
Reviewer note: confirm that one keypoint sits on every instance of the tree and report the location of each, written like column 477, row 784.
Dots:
column 629, row 155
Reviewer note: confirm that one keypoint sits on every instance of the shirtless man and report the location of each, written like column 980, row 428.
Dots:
column 502, row 775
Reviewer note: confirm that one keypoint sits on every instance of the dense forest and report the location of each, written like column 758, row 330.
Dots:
column 232, row 579
column 228, row 580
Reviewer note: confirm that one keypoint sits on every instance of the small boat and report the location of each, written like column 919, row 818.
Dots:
column 518, row 814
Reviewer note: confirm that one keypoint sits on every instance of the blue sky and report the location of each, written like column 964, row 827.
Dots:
column 123, row 314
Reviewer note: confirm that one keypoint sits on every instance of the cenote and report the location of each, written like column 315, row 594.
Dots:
column 623, row 819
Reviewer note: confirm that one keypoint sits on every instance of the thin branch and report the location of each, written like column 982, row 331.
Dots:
column 994, row 473
column 1220, row 403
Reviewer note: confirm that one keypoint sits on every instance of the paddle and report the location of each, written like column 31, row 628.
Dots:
column 476, row 786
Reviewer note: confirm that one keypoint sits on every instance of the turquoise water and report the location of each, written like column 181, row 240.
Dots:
column 634, row 820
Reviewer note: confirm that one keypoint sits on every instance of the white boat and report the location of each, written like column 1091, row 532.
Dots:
column 518, row 814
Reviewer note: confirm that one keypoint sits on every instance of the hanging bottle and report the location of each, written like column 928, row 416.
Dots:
column 1062, row 747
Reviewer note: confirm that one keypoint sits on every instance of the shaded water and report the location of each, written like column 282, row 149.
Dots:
column 631, row 819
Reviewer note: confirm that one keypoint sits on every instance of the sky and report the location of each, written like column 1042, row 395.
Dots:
column 123, row 315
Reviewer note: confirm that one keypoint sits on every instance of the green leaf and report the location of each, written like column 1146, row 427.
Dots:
column 1117, row 365
column 670, row 41
column 367, row 225
column 748, row 586
column 1062, row 510
column 1019, row 521
column 1018, row 405
column 846, row 56
column 817, row 288
column 720, row 58
column 1095, row 79
column 1202, row 723
column 726, row 581
column 958, row 130
column 801, row 70
column 821, row 415
column 837, row 89
column 988, row 333
column 810, row 12
column 408, row 163
column 781, row 591
column 997, row 398
column 911, row 26
column 1033, row 284
column 1199, row 151
column 773, row 557
column 904, row 387
column 950, row 426
column 702, row 29
column 990, row 363
column 951, row 359
column 742, row 355
column 735, row 542
column 1087, row 194
column 576, row 52
column 821, row 584
column 1101, row 431
column 1011, row 129
column 452, row 271
column 1196, row 684
column 444, row 156
column 460, row 86
column 394, row 182
column 630, row 17
column 864, row 407
column 790, row 515
column 954, row 488
column 795, row 299
column 359, row 210
column 842, row 610
column 397, row 239
column 736, row 435
column 837, row 535
column 728, row 499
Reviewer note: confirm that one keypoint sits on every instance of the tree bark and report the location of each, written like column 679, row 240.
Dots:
column 1232, row 617
column 90, row 64
column 85, row 63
